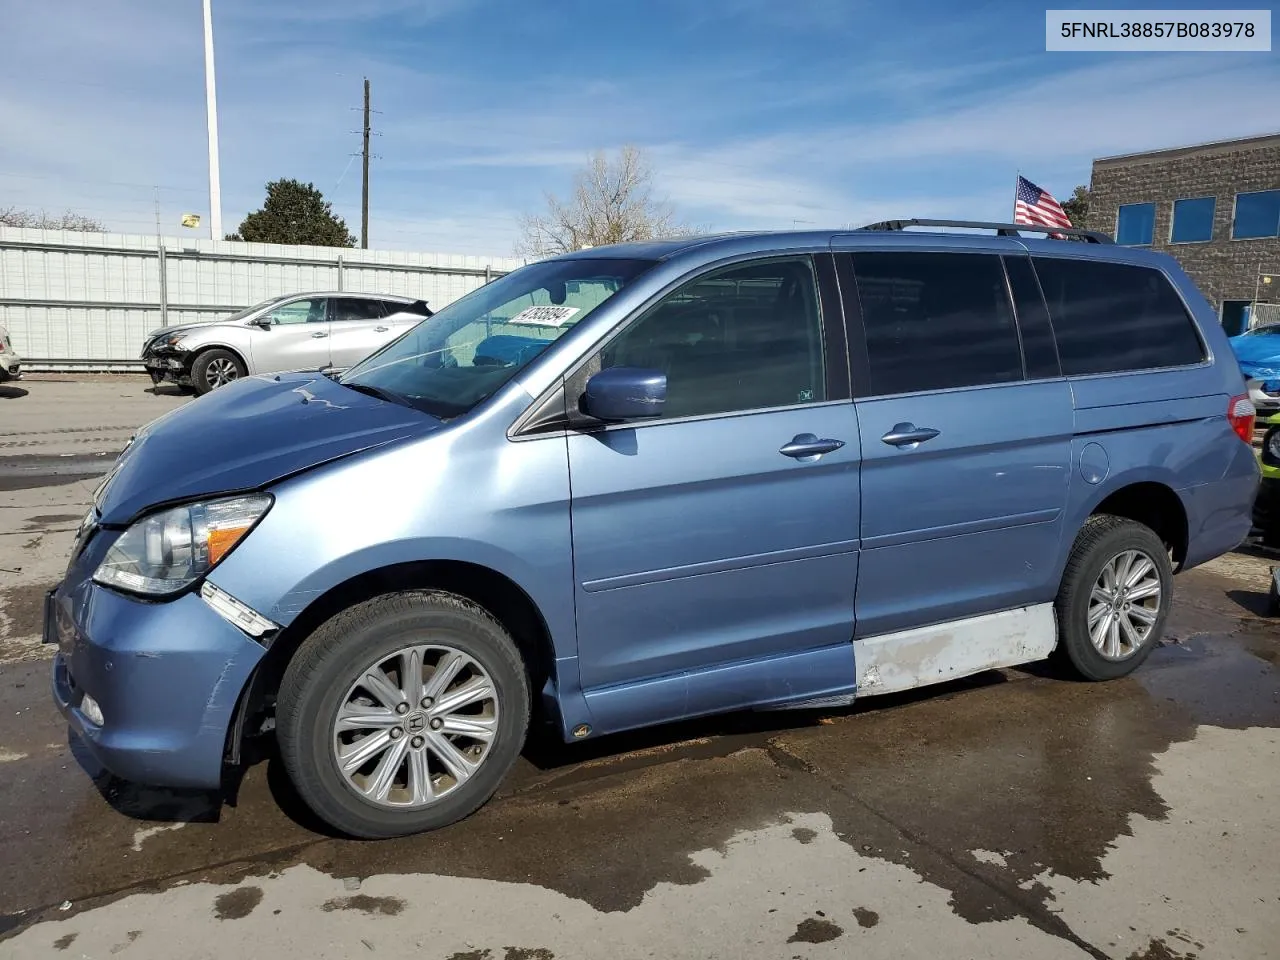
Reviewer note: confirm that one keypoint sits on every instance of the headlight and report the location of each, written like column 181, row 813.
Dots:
column 169, row 550
column 1271, row 445
column 174, row 341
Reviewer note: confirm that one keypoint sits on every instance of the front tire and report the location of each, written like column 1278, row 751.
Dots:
column 1114, row 598
column 215, row 368
column 402, row 714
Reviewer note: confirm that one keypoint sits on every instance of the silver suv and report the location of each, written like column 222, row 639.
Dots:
column 295, row 332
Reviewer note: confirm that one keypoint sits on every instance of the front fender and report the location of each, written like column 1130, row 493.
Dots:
column 377, row 556
column 447, row 497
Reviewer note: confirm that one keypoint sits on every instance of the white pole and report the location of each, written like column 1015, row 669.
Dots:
column 211, row 105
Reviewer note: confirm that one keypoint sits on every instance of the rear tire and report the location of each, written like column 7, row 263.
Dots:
column 1114, row 598
column 215, row 368
column 422, row 768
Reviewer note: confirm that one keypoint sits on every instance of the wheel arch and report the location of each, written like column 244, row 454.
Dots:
column 497, row 593
column 195, row 353
column 1153, row 502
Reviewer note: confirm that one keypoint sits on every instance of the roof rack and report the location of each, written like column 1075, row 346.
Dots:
column 1001, row 229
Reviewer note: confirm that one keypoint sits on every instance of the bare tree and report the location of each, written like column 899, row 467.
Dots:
column 13, row 217
column 612, row 202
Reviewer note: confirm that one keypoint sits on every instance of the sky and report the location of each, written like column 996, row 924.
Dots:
column 754, row 113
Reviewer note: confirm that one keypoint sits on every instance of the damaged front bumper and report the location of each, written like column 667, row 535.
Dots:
column 164, row 362
column 151, row 688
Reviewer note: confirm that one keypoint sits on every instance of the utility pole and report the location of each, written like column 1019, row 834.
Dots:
column 364, row 187
column 211, row 106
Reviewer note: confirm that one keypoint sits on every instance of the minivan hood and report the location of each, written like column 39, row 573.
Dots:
column 246, row 435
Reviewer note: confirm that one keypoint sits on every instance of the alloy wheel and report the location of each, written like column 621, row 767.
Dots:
column 415, row 726
column 1124, row 604
column 220, row 372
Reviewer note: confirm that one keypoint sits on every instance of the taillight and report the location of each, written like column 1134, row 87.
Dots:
column 1241, row 413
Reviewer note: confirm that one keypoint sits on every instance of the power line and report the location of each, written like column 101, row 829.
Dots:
column 106, row 183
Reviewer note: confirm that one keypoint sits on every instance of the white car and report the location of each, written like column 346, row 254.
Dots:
column 296, row 332
column 1267, row 404
column 10, row 362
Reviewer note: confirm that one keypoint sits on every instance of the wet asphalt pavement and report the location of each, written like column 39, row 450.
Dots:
column 1013, row 814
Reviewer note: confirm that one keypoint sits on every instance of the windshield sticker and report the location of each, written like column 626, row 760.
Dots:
column 545, row 316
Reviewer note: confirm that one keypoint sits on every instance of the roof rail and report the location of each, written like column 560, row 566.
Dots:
column 1001, row 229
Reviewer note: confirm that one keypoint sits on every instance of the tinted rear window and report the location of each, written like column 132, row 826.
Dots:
column 1110, row 317
column 935, row 321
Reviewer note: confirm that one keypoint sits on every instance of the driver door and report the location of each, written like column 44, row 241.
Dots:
column 298, row 338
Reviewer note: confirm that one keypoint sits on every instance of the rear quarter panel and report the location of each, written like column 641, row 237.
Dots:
column 1166, row 426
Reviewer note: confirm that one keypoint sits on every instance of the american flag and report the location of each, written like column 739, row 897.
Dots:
column 1038, row 208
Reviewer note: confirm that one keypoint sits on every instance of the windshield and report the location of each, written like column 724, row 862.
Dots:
column 1270, row 329
column 463, row 354
column 241, row 314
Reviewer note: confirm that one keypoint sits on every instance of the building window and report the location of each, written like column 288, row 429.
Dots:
column 1257, row 215
column 1136, row 224
column 1192, row 220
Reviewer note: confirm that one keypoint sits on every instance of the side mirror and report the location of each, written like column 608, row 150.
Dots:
column 263, row 322
column 625, row 393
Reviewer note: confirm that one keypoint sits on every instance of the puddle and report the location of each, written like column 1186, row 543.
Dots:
column 45, row 520
column 995, row 797
column 22, row 611
column 237, row 904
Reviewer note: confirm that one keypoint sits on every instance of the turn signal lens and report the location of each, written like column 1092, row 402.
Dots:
column 221, row 541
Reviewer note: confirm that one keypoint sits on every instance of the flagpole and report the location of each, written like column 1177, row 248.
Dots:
column 1016, row 177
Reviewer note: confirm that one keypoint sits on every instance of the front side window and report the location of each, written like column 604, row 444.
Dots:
column 298, row 311
column 1136, row 224
column 1257, row 215
column 1192, row 220
column 347, row 309
column 936, row 321
column 1114, row 316
column 465, row 352
column 743, row 338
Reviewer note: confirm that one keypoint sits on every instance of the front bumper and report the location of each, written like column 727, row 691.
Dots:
column 166, row 677
column 167, row 366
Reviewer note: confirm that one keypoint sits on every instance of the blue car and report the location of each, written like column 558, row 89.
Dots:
column 641, row 483
column 1258, row 351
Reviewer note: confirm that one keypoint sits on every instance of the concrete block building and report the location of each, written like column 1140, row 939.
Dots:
column 1214, row 206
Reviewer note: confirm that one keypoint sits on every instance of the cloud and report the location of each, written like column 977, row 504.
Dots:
column 1054, row 125
column 749, row 123
column 311, row 12
column 1111, row 107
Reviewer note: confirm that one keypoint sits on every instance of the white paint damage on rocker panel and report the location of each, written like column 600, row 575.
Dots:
column 959, row 648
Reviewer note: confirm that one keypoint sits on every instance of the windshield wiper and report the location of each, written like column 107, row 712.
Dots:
column 381, row 393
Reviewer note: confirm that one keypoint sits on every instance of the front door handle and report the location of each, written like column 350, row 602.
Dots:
column 318, row 336
column 806, row 446
column 908, row 435
column 381, row 329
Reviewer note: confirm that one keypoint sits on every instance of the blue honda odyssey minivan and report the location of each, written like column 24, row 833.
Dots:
column 640, row 483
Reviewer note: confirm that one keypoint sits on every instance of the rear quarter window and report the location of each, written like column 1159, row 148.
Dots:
column 1113, row 317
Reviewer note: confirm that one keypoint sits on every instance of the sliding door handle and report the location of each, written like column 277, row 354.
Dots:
column 805, row 445
column 908, row 435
